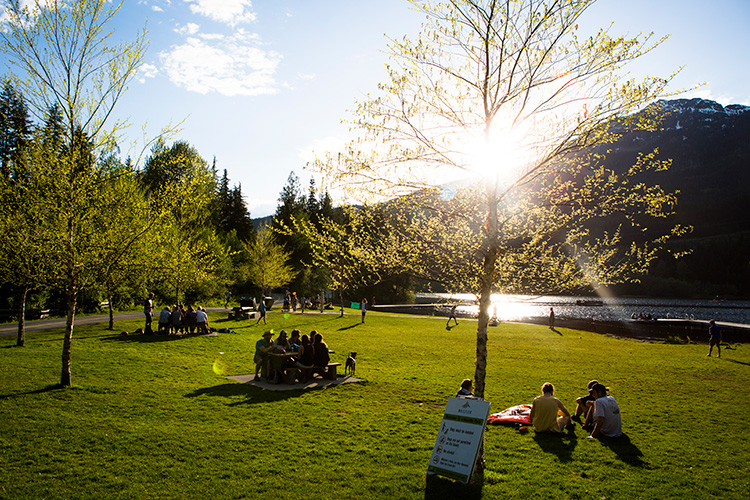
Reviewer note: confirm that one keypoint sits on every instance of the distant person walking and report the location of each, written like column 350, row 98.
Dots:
column 551, row 319
column 714, row 338
column 228, row 296
column 262, row 311
column 452, row 316
column 363, row 307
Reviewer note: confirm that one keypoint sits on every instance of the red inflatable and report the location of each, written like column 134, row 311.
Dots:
column 514, row 415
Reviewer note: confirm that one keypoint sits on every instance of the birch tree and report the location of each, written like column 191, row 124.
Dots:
column 62, row 55
column 491, row 127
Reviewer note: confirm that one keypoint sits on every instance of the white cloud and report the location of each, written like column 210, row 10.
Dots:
column 156, row 8
column 147, row 71
column 230, row 65
column 231, row 12
column 188, row 29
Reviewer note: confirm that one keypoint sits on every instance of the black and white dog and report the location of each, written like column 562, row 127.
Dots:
column 351, row 364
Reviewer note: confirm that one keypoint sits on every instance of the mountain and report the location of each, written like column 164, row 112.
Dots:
column 709, row 145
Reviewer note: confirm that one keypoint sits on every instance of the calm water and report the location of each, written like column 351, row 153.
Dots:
column 518, row 307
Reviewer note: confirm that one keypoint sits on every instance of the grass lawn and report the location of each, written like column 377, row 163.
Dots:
column 155, row 417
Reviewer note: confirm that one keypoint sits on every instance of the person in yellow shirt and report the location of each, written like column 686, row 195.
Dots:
column 545, row 409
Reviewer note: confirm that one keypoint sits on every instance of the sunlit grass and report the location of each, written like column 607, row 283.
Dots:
column 150, row 417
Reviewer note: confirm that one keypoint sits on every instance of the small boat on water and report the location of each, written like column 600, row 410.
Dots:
column 581, row 302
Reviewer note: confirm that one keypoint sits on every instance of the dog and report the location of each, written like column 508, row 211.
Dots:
column 351, row 364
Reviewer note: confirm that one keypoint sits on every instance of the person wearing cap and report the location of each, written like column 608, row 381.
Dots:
column 262, row 348
column 544, row 411
column 584, row 406
column 714, row 338
column 607, row 420
column 282, row 340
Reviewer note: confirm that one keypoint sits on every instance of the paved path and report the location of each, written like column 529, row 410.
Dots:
column 39, row 325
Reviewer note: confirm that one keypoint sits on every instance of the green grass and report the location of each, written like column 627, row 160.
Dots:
column 150, row 417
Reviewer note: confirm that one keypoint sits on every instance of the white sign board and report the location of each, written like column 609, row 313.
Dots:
column 459, row 438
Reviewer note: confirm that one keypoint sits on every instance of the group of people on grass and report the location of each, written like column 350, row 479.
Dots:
column 596, row 412
column 308, row 353
column 177, row 320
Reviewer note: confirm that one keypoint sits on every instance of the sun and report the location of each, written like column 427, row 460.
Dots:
column 501, row 155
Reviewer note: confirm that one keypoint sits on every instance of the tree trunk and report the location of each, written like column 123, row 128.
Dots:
column 341, row 297
column 71, row 295
column 485, row 294
column 109, row 303
column 21, row 339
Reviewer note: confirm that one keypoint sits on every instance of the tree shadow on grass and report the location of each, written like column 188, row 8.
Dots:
column 560, row 444
column 437, row 488
column 49, row 388
column 144, row 339
column 252, row 394
column 625, row 450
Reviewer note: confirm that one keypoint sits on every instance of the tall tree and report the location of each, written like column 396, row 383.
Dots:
column 268, row 266
column 187, row 251
column 63, row 56
column 504, row 95
column 15, row 127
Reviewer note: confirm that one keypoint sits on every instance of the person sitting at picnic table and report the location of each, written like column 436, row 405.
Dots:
column 164, row 318
column 294, row 340
column 306, row 353
column 282, row 340
column 321, row 357
column 544, row 411
column 201, row 320
column 262, row 348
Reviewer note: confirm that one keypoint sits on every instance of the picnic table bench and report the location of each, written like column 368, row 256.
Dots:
column 291, row 372
column 241, row 312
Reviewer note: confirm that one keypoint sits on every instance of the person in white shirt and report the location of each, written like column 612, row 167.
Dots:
column 607, row 420
column 202, row 320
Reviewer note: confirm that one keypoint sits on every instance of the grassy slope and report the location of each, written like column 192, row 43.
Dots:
column 155, row 418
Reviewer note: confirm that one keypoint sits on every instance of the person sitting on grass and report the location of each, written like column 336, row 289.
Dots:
column 262, row 348
column 176, row 318
column 544, row 411
column 607, row 420
column 191, row 318
column 465, row 389
column 201, row 320
column 584, row 406
column 164, row 319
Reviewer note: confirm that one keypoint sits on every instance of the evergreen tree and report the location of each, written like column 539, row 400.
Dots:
column 14, row 127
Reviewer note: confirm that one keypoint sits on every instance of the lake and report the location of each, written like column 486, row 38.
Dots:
column 519, row 307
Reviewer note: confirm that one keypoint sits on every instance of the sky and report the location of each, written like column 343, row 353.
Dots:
column 260, row 85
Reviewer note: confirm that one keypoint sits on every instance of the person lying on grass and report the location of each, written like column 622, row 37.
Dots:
column 607, row 420
column 544, row 411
